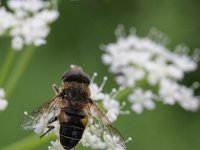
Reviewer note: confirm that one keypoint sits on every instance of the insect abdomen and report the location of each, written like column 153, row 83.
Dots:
column 71, row 132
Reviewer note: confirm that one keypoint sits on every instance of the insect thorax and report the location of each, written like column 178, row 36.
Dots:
column 76, row 92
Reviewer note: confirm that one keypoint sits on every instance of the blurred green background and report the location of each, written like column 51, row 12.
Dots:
column 75, row 38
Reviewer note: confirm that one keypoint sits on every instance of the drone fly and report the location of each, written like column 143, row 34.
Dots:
column 75, row 108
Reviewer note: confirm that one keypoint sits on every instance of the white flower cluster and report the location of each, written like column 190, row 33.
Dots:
column 93, row 136
column 3, row 101
column 56, row 146
column 141, row 99
column 140, row 61
column 110, row 104
column 28, row 21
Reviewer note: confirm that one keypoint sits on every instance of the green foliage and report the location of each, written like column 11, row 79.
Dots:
column 74, row 39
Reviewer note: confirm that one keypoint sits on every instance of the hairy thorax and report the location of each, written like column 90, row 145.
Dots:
column 75, row 95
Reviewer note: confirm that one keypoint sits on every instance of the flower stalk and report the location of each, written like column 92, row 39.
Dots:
column 18, row 70
column 29, row 143
column 7, row 65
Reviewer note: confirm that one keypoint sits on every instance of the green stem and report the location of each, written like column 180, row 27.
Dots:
column 18, row 70
column 6, row 65
column 29, row 143
column 123, row 94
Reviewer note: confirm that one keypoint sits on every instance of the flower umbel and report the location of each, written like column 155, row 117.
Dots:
column 145, row 63
column 94, row 136
column 28, row 21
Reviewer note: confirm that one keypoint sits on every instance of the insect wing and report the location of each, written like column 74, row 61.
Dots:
column 41, row 113
column 104, row 123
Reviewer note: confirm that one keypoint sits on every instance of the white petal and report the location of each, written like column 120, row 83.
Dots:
column 2, row 93
column 3, row 104
column 149, row 104
column 137, row 108
column 17, row 43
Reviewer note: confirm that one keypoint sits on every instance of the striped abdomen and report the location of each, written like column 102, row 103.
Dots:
column 71, row 129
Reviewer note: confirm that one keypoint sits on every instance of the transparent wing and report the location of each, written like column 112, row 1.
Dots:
column 32, row 119
column 109, row 130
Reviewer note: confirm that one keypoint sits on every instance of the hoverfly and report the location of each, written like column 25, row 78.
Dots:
column 75, row 108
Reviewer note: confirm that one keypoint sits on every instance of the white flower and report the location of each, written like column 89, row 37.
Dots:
column 6, row 21
column 17, row 43
column 112, row 106
column 187, row 99
column 141, row 99
column 143, row 62
column 56, row 145
column 146, row 55
column 169, row 92
column 96, row 93
column 129, row 75
column 3, row 101
column 3, row 104
column 30, row 6
column 184, row 62
column 28, row 22
column 92, row 138
column 111, row 142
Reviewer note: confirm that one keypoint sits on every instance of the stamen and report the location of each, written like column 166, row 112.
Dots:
column 120, row 31
column 26, row 113
column 121, row 88
column 123, row 104
column 103, row 83
column 72, row 66
column 158, row 36
column 94, row 76
column 128, row 140
column 132, row 30
column 112, row 92
column 117, row 92
column 127, row 112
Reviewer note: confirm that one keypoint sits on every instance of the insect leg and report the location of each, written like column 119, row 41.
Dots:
column 49, row 129
column 54, row 118
column 55, row 88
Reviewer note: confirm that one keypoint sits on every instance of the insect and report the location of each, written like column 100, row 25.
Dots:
column 74, row 107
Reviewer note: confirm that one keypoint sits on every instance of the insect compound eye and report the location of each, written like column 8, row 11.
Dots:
column 76, row 75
